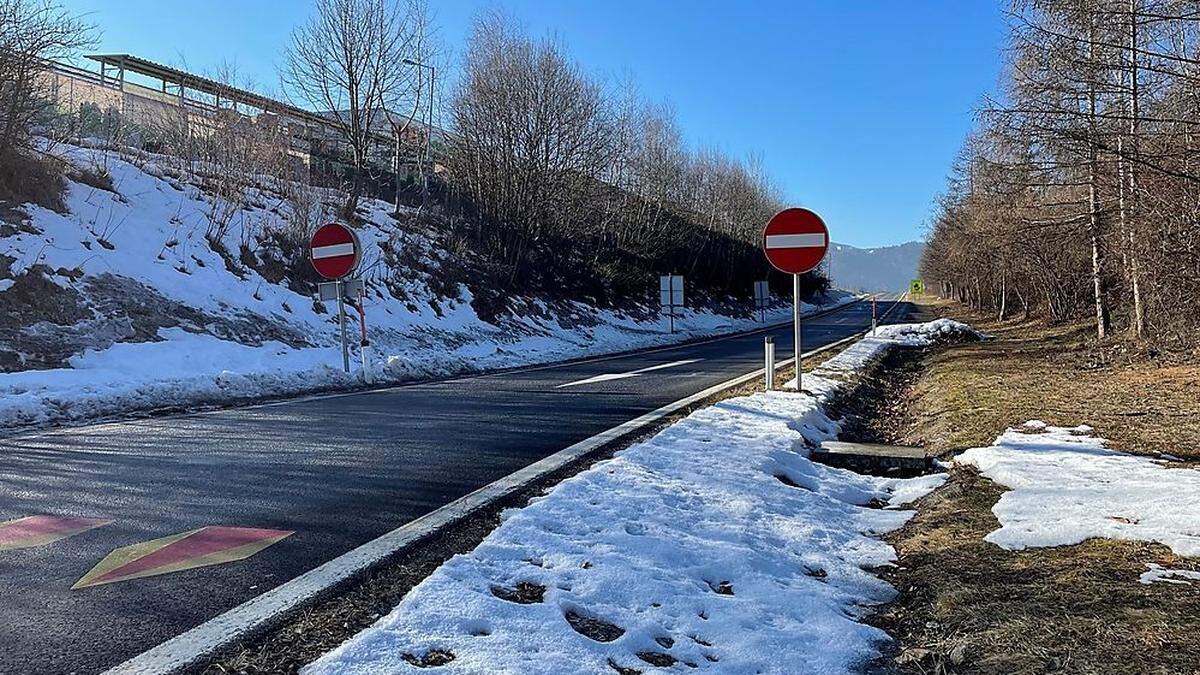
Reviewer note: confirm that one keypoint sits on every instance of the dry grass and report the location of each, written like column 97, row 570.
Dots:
column 1077, row 609
column 37, row 180
column 1060, row 375
column 970, row 606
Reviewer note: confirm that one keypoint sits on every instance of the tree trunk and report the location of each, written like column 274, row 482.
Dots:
column 1139, row 322
column 1102, row 319
column 1003, row 296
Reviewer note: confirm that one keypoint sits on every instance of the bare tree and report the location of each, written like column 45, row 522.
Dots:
column 1090, row 189
column 347, row 62
column 32, row 32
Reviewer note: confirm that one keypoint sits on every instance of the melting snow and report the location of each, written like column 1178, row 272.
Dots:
column 1158, row 573
column 715, row 544
column 1065, row 487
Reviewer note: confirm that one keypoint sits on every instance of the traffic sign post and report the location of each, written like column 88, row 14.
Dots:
column 795, row 241
column 334, row 252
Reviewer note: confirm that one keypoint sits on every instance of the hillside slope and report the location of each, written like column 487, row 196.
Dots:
column 886, row 268
column 127, row 300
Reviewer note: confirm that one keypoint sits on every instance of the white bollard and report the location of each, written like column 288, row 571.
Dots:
column 769, row 372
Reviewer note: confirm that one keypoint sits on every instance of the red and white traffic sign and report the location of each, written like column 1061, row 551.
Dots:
column 795, row 241
column 334, row 251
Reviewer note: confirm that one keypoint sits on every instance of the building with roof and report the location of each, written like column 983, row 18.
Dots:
column 141, row 100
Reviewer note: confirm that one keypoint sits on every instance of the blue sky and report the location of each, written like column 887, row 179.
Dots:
column 857, row 106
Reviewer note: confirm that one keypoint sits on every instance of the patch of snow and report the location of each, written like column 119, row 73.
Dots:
column 866, row 351
column 6, row 284
column 1066, row 487
column 716, row 543
column 1158, row 573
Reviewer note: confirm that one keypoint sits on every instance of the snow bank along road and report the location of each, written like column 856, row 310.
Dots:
column 129, row 533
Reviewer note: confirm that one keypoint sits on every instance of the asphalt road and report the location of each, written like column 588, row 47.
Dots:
column 337, row 471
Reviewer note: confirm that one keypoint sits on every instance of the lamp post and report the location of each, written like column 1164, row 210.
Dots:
column 428, row 128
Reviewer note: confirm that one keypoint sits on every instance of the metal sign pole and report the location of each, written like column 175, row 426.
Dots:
column 796, row 326
column 342, row 325
column 362, row 322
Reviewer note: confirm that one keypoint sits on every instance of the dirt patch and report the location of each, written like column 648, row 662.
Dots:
column 523, row 593
column 969, row 606
column 593, row 628
column 876, row 409
column 430, row 659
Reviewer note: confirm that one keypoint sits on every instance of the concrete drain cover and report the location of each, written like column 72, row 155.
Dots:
column 871, row 457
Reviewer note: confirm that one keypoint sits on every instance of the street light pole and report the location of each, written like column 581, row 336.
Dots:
column 428, row 129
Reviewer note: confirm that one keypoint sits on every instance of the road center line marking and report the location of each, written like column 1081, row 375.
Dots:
column 606, row 377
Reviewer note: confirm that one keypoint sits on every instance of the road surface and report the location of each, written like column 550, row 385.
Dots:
column 334, row 471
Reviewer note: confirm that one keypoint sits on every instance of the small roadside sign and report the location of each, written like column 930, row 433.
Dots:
column 916, row 287
column 334, row 252
column 670, row 295
column 762, row 298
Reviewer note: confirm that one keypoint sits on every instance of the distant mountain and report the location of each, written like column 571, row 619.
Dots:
column 887, row 268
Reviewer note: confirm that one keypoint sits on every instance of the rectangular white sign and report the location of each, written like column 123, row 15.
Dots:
column 813, row 240
column 670, row 290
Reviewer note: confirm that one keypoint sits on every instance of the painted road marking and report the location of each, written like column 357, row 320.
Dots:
column 183, row 551
column 633, row 373
column 41, row 530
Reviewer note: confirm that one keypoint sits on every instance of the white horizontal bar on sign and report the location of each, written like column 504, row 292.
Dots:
column 810, row 240
column 332, row 250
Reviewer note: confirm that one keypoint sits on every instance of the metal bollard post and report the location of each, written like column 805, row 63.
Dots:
column 769, row 348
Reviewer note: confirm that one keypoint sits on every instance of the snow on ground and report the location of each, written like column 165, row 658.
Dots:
column 248, row 337
column 1065, row 487
column 1158, row 573
column 865, row 351
column 716, row 544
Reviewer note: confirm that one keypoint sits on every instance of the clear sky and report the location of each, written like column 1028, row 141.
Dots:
column 857, row 106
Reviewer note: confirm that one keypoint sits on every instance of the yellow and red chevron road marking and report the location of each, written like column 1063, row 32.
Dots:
column 205, row 546
column 32, row 531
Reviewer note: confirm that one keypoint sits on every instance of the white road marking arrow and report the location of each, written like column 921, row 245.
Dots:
column 633, row 373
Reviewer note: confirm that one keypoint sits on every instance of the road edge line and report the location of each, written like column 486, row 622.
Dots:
column 258, row 613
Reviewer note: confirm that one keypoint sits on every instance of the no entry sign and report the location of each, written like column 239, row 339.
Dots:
column 795, row 241
column 334, row 251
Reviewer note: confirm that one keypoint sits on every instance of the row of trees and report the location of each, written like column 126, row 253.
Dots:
column 563, row 174
column 1079, row 192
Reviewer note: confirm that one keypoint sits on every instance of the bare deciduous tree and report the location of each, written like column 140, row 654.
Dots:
column 347, row 62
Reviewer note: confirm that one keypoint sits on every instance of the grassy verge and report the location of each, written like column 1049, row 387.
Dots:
column 968, row 605
column 1141, row 403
